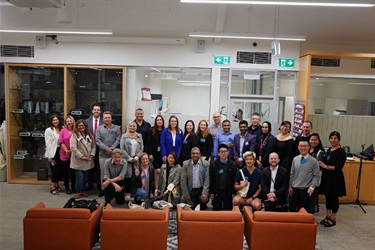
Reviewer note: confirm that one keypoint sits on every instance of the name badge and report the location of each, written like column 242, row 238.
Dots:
column 128, row 143
column 185, row 142
column 203, row 139
column 247, row 143
column 171, row 170
column 143, row 177
column 230, row 140
column 221, row 171
column 158, row 150
column 303, row 161
column 204, row 170
column 328, row 157
column 112, row 132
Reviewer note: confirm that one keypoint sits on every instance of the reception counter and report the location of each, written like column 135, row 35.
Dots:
column 367, row 191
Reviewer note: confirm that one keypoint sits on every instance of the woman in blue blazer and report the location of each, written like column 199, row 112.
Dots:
column 171, row 139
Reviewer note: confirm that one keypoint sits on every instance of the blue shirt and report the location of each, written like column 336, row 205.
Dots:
column 222, row 138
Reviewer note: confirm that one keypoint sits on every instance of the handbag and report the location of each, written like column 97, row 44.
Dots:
column 244, row 190
column 92, row 205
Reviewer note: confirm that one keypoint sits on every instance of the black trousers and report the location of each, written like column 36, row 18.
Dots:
column 110, row 193
column 195, row 196
column 222, row 200
column 69, row 173
column 56, row 169
column 94, row 173
column 332, row 203
column 300, row 198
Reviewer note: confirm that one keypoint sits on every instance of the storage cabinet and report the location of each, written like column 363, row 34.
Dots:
column 35, row 92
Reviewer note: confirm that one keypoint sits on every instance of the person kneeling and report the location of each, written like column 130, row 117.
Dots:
column 250, row 177
column 114, row 174
column 275, row 181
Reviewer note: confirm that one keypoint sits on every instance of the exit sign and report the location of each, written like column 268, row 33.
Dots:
column 222, row 60
column 286, row 62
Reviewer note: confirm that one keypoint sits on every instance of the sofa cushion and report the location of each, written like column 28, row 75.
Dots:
column 211, row 216
column 133, row 214
column 283, row 217
column 59, row 213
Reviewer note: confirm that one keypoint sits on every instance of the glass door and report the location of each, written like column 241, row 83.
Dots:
column 251, row 91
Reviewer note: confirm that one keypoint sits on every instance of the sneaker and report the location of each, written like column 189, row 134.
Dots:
column 101, row 193
column 157, row 192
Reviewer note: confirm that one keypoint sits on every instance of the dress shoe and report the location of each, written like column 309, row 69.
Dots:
column 85, row 194
column 78, row 196
column 68, row 190
column 101, row 193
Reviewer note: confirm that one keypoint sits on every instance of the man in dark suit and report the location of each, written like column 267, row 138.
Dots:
column 93, row 123
column 275, row 181
column 142, row 127
column 195, row 180
column 243, row 142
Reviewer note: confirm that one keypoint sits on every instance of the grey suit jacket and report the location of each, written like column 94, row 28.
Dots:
column 187, row 177
column 174, row 177
column 90, row 122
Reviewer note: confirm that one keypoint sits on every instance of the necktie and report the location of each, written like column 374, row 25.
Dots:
column 95, row 127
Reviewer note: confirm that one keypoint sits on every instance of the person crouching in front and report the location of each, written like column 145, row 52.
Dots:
column 114, row 174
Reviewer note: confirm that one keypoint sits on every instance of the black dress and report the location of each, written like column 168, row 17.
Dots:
column 206, row 145
column 285, row 151
column 333, row 182
column 153, row 141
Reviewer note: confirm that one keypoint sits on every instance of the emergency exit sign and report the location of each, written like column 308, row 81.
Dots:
column 286, row 62
column 222, row 60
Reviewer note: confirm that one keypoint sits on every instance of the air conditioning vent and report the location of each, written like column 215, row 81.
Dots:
column 16, row 51
column 373, row 63
column 325, row 62
column 254, row 57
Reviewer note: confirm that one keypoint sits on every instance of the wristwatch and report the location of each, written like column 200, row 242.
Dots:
column 252, row 197
column 327, row 167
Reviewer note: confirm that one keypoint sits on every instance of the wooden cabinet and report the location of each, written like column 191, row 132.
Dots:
column 35, row 92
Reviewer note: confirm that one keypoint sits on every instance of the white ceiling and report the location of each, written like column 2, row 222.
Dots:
column 173, row 19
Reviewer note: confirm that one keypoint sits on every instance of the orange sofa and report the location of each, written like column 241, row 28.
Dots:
column 276, row 230
column 134, row 229
column 61, row 228
column 210, row 229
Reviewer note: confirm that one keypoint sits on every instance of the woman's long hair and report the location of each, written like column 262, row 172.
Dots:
column 155, row 127
column 206, row 132
column 87, row 130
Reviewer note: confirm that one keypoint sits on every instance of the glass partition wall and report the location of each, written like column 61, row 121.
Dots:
column 184, row 92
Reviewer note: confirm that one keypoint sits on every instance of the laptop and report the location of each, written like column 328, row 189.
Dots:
column 368, row 153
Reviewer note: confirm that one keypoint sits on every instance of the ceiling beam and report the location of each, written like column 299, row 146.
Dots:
column 220, row 20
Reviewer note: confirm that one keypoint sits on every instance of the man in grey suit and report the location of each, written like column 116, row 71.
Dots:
column 195, row 180
column 93, row 122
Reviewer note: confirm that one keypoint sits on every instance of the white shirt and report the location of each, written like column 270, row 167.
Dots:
column 273, row 178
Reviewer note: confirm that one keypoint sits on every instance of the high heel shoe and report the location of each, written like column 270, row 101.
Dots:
column 330, row 222
column 322, row 222
column 54, row 191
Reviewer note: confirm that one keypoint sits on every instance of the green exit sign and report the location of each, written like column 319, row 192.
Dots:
column 287, row 62
column 222, row 60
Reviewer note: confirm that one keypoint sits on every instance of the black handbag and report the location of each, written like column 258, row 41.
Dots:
column 89, row 204
column 275, row 206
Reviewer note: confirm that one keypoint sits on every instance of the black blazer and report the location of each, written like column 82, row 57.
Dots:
column 187, row 145
column 153, row 141
column 267, row 148
column 281, row 184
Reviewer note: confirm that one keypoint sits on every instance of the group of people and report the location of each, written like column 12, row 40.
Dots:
column 208, row 163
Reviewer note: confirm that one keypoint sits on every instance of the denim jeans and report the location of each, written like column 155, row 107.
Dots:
column 81, row 180
column 140, row 194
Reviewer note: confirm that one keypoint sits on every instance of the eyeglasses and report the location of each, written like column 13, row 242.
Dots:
column 81, row 125
column 223, row 151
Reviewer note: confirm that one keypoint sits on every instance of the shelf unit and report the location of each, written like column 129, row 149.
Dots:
column 36, row 91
